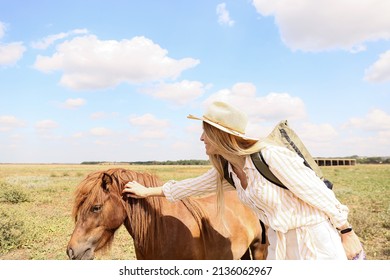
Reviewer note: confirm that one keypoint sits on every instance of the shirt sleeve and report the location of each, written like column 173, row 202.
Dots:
column 198, row 186
column 302, row 181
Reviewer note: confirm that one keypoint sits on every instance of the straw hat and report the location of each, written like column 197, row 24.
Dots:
column 226, row 118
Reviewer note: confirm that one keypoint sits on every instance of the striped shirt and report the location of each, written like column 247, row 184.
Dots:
column 306, row 202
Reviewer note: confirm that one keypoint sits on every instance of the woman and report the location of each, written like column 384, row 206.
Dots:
column 303, row 221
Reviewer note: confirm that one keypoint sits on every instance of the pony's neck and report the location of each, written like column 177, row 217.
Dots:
column 143, row 221
column 143, row 215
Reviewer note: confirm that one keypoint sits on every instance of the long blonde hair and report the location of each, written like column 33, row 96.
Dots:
column 229, row 148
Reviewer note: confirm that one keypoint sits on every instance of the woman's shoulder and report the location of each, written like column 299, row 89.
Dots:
column 267, row 145
column 271, row 148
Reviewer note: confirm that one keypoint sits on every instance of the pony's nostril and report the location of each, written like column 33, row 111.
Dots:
column 70, row 253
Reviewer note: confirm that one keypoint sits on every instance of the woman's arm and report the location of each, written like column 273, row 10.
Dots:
column 305, row 184
column 136, row 190
column 173, row 190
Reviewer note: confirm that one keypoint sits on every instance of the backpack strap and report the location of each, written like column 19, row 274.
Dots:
column 228, row 177
column 226, row 174
column 292, row 144
column 264, row 170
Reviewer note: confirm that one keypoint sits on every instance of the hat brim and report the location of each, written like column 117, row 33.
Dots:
column 220, row 127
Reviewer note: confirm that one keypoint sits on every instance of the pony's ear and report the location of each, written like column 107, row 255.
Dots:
column 106, row 182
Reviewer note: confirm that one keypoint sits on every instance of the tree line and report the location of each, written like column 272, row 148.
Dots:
column 359, row 160
column 152, row 162
column 373, row 160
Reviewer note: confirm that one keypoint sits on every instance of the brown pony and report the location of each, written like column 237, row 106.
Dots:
column 188, row 229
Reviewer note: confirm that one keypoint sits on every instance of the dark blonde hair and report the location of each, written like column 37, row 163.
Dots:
column 228, row 147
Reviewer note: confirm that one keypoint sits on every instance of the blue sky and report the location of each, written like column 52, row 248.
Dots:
column 114, row 80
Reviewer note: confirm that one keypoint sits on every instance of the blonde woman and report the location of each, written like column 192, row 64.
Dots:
column 305, row 221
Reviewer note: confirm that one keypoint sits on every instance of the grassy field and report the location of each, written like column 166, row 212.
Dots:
column 36, row 203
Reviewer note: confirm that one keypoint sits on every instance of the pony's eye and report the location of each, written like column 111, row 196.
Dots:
column 96, row 208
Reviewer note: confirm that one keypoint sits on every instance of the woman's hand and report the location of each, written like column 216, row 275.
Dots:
column 135, row 190
column 352, row 244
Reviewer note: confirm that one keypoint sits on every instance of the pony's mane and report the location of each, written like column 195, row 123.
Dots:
column 89, row 191
column 145, row 214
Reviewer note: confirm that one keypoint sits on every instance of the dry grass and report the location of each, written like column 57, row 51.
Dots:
column 36, row 203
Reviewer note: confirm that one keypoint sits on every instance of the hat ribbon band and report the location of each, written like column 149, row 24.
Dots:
column 219, row 123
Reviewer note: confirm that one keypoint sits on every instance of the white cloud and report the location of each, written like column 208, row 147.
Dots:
column 51, row 39
column 12, row 52
column 90, row 63
column 380, row 70
column 180, row 93
column 98, row 115
column 151, row 128
column 78, row 135
column 328, row 24
column 148, row 120
column 375, row 120
column 272, row 107
column 264, row 112
column 223, row 15
column 316, row 132
column 46, row 125
column 2, row 29
column 74, row 103
column 366, row 146
column 152, row 134
column 10, row 122
column 103, row 115
column 100, row 131
column 365, row 136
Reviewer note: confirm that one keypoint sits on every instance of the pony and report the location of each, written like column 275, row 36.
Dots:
column 189, row 229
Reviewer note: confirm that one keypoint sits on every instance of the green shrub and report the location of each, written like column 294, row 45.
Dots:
column 11, row 232
column 12, row 193
column 14, row 196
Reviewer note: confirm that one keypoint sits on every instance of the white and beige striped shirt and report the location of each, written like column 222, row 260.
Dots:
column 306, row 202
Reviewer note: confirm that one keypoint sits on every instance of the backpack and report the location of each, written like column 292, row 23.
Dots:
column 282, row 135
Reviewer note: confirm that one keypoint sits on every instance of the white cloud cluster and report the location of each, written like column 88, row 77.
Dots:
column 10, row 53
column 323, row 25
column 328, row 24
column 8, row 122
column 2, row 29
column 46, row 125
column 322, row 139
column 380, row 70
column 264, row 112
column 100, row 131
column 271, row 107
column 51, row 39
column 314, row 133
column 151, row 127
column 147, row 120
column 73, row 103
column 375, row 120
column 369, row 134
column 223, row 15
column 90, row 63
column 180, row 93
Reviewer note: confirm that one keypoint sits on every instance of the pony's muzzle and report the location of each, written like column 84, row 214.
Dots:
column 86, row 254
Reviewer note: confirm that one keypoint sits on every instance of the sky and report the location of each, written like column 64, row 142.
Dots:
column 103, row 80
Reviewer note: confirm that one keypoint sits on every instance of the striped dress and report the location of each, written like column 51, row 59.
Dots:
column 307, row 202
